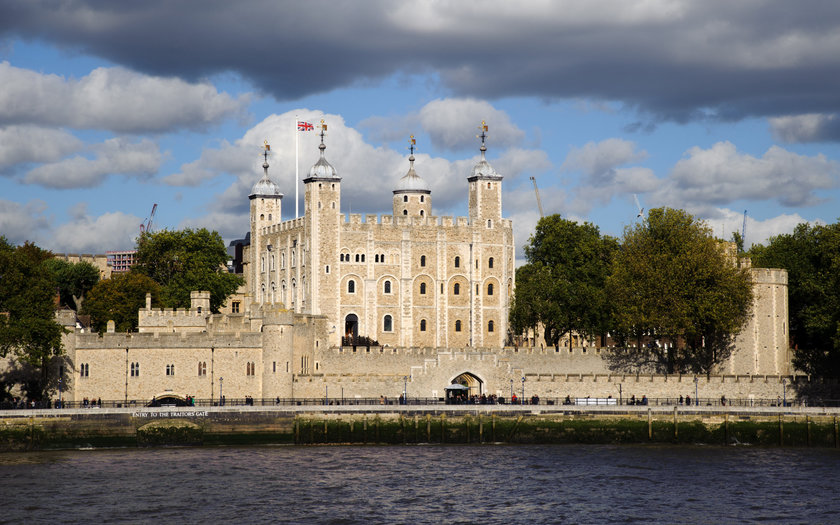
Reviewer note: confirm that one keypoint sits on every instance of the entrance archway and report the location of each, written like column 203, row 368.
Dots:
column 351, row 326
column 471, row 381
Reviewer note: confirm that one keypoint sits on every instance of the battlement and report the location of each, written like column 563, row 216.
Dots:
column 769, row 276
column 164, row 340
column 292, row 224
column 371, row 219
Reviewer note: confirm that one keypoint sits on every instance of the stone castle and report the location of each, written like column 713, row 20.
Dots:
column 352, row 307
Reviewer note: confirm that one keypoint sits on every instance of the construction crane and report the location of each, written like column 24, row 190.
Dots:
column 146, row 226
column 537, row 192
column 744, row 229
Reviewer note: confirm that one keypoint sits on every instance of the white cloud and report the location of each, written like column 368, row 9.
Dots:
column 23, row 222
column 114, row 156
column 24, row 144
column 721, row 174
column 813, row 127
column 724, row 221
column 87, row 234
column 451, row 124
column 598, row 161
column 115, row 99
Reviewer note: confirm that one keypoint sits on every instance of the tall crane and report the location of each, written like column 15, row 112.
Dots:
column 146, row 226
column 537, row 192
column 744, row 229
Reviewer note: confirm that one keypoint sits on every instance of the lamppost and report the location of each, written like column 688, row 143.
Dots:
column 511, row 390
column 221, row 397
column 784, row 392
column 696, row 401
column 59, row 391
column 405, row 390
column 326, row 394
column 619, row 393
column 523, row 390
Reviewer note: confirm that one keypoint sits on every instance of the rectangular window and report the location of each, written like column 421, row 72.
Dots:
column 234, row 307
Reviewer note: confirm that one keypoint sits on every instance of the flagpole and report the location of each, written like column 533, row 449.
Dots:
column 297, row 174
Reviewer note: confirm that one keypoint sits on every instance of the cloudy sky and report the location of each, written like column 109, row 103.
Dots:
column 712, row 106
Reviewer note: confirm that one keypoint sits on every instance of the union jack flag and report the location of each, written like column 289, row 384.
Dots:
column 305, row 126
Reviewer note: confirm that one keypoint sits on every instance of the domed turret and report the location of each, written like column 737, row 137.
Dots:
column 322, row 169
column 485, row 193
column 265, row 187
column 412, row 196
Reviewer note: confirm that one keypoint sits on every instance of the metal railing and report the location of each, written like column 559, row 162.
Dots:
column 418, row 401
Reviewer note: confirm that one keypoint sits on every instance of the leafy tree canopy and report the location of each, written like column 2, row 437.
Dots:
column 73, row 280
column 673, row 282
column 118, row 299
column 186, row 260
column 562, row 285
column 811, row 255
column 28, row 329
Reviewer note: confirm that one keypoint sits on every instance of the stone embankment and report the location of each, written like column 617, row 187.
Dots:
column 448, row 424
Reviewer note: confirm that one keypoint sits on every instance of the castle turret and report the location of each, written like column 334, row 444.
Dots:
column 265, row 200
column 412, row 196
column 485, row 193
column 322, row 216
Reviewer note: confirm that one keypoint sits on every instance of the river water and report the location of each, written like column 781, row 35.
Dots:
column 422, row 484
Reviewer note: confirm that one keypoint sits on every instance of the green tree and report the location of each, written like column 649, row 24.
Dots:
column 811, row 255
column 73, row 280
column 28, row 329
column 187, row 260
column 118, row 299
column 562, row 285
column 672, row 281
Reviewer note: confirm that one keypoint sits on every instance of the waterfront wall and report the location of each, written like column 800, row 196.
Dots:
column 50, row 429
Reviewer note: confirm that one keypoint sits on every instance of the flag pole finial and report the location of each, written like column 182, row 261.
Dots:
column 412, row 143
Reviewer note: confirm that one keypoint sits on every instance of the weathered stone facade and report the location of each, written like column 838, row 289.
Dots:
column 432, row 292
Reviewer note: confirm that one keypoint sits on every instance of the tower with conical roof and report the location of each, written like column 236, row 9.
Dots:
column 265, row 199
column 322, row 231
column 485, row 188
column 412, row 196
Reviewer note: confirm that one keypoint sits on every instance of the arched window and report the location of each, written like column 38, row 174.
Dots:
column 489, row 223
column 405, row 212
column 262, row 263
column 457, row 262
column 271, row 261
column 202, row 368
column 273, row 289
column 405, row 198
column 387, row 323
column 422, row 288
column 490, row 326
column 376, row 258
column 458, row 325
column 387, row 287
column 456, row 290
column 357, row 257
column 490, row 262
column 422, row 198
column 293, row 258
column 490, row 289
column 422, row 260
column 351, row 286
column 262, row 293
column 282, row 259
column 421, row 213
column 422, row 325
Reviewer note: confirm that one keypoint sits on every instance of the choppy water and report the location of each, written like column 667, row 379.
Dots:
column 422, row 484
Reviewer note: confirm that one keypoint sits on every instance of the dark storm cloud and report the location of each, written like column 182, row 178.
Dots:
column 674, row 60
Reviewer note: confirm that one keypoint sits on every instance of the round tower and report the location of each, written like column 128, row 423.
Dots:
column 412, row 196
column 265, row 200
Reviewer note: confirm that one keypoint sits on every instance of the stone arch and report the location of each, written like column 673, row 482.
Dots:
column 470, row 380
